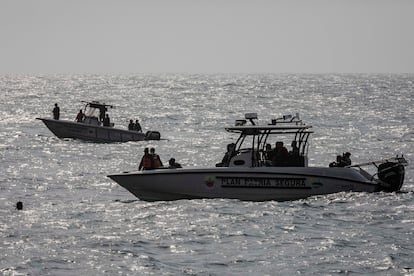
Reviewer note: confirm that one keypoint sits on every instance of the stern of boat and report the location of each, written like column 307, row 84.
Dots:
column 391, row 174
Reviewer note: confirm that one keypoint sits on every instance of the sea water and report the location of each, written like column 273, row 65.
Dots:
column 76, row 221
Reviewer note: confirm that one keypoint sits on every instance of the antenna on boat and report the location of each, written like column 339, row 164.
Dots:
column 288, row 119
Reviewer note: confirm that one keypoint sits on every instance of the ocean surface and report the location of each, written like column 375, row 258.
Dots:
column 76, row 221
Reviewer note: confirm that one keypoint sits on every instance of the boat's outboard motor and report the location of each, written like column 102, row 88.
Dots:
column 391, row 175
column 152, row 135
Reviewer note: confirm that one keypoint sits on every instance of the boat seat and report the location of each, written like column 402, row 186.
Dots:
column 243, row 158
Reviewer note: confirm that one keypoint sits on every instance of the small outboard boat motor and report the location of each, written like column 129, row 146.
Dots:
column 152, row 135
column 391, row 176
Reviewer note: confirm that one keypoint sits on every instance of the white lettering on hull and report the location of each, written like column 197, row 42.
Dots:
column 263, row 182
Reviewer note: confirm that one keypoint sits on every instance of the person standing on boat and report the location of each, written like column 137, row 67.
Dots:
column 131, row 125
column 102, row 112
column 56, row 112
column 107, row 121
column 156, row 160
column 137, row 126
column 80, row 117
column 146, row 161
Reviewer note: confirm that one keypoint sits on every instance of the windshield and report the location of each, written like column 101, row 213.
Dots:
column 92, row 112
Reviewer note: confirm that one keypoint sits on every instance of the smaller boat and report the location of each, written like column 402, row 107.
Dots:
column 253, row 170
column 91, row 127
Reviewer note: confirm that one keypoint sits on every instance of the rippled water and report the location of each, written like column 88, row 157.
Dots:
column 77, row 221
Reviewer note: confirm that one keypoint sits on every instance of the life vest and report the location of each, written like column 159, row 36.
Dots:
column 156, row 160
column 146, row 162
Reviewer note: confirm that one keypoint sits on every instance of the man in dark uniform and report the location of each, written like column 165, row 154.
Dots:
column 56, row 112
column 131, row 125
column 107, row 121
column 346, row 159
column 137, row 126
column 102, row 113
column 80, row 117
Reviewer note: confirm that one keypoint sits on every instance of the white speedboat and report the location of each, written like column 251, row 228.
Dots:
column 251, row 170
column 91, row 127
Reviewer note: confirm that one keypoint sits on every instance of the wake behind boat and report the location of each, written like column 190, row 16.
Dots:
column 253, row 170
column 92, row 124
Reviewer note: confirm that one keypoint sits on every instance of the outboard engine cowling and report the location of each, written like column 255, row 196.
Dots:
column 152, row 135
column 391, row 175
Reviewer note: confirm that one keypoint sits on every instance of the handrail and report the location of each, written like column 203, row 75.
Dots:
column 400, row 160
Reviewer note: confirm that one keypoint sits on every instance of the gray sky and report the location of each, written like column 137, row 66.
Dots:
column 206, row 36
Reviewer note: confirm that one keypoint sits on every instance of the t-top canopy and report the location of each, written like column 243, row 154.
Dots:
column 96, row 104
column 287, row 124
column 270, row 129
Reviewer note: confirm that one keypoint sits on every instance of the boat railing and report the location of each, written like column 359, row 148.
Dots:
column 398, row 159
column 383, row 165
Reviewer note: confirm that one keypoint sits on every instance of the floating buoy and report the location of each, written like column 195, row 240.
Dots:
column 19, row 205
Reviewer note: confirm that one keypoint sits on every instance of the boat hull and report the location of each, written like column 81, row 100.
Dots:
column 75, row 130
column 252, row 184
